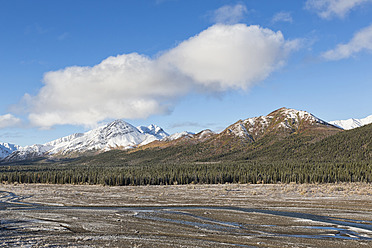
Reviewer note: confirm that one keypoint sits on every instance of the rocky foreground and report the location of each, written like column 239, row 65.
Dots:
column 229, row 215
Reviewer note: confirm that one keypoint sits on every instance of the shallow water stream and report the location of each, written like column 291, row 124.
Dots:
column 34, row 224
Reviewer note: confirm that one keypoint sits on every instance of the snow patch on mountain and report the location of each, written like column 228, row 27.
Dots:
column 352, row 123
column 205, row 134
column 6, row 149
column 152, row 133
column 178, row 135
column 293, row 116
column 281, row 119
column 239, row 130
column 256, row 124
column 154, row 130
column 115, row 135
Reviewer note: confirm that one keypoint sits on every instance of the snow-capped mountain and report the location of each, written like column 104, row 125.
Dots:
column 283, row 120
column 154, row 133
column 178, row 135
column 122, row 135
column 154, row 130
column 182, row 138
column 352, row 123
column 115, row 135
column 204, row 135
column 6, row 149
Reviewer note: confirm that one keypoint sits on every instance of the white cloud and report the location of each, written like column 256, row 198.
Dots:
column 327, row 9
column 230, row 57
column 229, row 14
column 125, row 86
column 9, row 120
column 362, row 40
column 282, row 17
column 131, row 86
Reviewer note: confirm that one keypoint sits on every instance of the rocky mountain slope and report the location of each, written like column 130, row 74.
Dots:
column 262, row 131
column 6, row 149
column 316, row 154
column 352, row 123
column 280, row 131
column 297, row 157
column 281, row 123
column 115, row 135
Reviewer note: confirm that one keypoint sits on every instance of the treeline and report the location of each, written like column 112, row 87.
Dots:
column 215, row 173
column 343, row 157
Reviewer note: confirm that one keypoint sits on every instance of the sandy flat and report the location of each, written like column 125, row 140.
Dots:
column 229, row 215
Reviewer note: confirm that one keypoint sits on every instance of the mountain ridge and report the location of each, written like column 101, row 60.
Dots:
column 296, row 158
column 6, row 149
column 283, row 119
column 121, row 135
column 114, row 135
column 352, row 122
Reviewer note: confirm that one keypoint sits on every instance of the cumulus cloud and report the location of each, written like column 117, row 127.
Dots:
column 230, row 57
column 229, row 14
column 132, row 86
column 362, row 40
column 9, row 120
column 282, row 17
column 327, row 9
column 126, row 86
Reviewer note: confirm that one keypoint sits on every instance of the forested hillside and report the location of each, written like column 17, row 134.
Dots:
column 301, row 158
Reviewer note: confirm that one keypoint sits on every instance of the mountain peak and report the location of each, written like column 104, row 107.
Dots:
column 117, row 134
column 117, row 127
column 6, row 149
column 175, row 136
column 155, row 130
column 283, row 120
column 352, row 123
column 117, row 123
column 296, row 115
column 292, row 113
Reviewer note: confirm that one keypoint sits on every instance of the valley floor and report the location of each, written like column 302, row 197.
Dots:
column 229, row 215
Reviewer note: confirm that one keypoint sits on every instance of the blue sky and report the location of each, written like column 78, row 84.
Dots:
column 68, row 66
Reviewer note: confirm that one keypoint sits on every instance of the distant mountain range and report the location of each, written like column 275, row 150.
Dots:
column 115, row 135
column 122, row 136
column 352, row 123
